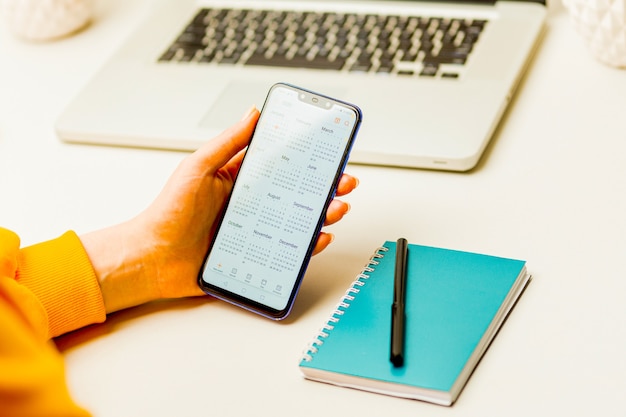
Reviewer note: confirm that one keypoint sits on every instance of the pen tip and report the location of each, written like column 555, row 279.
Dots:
column 397, row 361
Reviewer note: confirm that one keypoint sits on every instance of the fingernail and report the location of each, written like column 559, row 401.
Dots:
column 249, row 112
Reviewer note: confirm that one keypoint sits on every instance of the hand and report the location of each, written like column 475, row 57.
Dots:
column 159, row 253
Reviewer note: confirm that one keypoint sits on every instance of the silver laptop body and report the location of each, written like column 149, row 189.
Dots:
column 410, row 120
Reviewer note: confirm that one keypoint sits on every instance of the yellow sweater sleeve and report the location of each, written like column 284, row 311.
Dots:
column 45, row 290
column 59, row 274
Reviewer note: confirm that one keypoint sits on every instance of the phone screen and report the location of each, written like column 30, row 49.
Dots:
column 278, row 204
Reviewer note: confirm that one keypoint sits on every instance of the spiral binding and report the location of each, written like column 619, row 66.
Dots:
column 343, row 305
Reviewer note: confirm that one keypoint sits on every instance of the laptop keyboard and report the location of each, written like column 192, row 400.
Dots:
column 409, row 46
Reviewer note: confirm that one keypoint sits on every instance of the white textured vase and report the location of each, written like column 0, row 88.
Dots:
column 602, row 24
column 45, row 19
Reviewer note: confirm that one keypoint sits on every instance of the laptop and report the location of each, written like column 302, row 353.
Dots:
column 433, row 78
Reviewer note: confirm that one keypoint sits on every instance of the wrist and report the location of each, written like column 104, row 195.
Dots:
column 121, row 266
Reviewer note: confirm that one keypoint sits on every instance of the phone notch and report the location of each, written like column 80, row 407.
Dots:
column 315, row 100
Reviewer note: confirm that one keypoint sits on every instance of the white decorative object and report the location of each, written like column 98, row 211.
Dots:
column 45, row 19
column 602, row 23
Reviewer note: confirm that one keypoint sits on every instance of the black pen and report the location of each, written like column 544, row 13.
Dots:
column 397, row 308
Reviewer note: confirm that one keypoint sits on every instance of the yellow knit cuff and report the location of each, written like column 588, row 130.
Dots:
column 59, row 273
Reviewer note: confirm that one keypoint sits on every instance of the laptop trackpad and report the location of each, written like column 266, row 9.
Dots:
column 238, row 96
column 232, row 103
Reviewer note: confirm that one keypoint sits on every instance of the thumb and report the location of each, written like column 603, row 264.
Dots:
column 218, row 151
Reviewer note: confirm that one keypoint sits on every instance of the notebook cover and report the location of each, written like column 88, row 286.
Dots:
column 452, row 298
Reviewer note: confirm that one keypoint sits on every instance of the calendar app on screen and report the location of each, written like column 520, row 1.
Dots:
column 279, row 199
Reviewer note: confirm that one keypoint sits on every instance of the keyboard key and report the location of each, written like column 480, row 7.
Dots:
column 283, row 61
column 329, row 41
column 429, row 70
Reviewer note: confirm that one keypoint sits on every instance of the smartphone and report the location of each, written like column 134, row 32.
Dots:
column 287, row 179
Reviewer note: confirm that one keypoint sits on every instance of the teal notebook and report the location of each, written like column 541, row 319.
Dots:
column 455, row 304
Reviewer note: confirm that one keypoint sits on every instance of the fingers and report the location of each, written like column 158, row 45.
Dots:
column 323, row 241
column 347, row 183
column 336, row 210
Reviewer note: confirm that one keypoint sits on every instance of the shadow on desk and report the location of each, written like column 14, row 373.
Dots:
column 116, row 320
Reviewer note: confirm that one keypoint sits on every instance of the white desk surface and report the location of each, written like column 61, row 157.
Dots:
column 551, row 189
